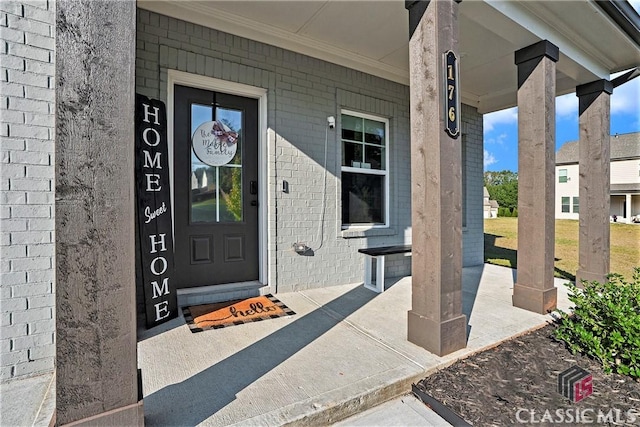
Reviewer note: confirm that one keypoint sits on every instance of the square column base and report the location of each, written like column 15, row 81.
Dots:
column 440, row 338
column 589, row 277
column 541, row 301
column 129, row 416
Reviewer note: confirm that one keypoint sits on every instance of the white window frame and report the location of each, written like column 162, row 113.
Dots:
column 565, row 176
column 384, row 172
column 568, row 204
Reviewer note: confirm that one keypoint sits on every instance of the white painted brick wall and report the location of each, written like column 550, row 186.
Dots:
column 27, row 301
column 302, row 92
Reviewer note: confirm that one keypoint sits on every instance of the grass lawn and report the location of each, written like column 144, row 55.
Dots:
column 205, row 210
column 501, row 244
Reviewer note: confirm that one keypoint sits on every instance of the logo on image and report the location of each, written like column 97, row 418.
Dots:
column 575, row 383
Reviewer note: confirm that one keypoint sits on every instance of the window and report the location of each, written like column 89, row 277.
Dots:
column 565, row 204
column 562, row 175
column 216, row 191
column 576, row 205
column 364, row 169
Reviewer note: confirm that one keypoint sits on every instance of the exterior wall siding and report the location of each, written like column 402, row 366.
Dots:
column 625, row 171
column 569, row 189
column 27, row 249
column 302, row 92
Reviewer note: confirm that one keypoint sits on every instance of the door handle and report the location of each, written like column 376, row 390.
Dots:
column 254, row 203
column 253, row 187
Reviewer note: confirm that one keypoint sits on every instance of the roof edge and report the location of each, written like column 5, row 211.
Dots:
column 624, row 15
column 615, row 159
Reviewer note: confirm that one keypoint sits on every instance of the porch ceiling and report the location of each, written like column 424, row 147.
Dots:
column 373, row 37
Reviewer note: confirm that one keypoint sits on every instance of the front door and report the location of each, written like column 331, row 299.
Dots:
column 216, row 187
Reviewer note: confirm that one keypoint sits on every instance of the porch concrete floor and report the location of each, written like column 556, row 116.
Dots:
column 343, row 352
column 28, row 402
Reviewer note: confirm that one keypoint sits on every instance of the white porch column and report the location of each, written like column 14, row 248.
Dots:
column 436, row 322
column 534, row 289
column 629, row 200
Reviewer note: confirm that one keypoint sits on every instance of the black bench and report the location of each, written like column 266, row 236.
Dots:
column 374, row 276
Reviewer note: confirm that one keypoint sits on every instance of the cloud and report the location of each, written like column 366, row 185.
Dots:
column 567, row 105
column 500, row 117
column 500, row 139
column 489, row 159
column 626, row 98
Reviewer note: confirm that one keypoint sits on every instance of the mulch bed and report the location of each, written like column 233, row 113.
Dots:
column 489, row 388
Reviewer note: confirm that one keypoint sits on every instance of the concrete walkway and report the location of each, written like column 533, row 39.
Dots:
column 404, row 411
column 344, row 351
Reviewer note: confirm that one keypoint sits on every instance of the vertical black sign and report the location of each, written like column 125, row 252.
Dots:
column 154, row 211
column 452, row 104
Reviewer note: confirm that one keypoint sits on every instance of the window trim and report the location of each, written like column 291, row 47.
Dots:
column 565, row 176
column 568, row 204
column 575, row 202
column 386, row 172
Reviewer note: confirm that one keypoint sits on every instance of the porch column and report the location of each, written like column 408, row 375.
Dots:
column 628, row 208
column 594, row 121
column 534, row 289
column 96, row 366
column 436, row 322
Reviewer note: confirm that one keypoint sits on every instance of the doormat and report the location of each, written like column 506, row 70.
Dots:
column 237, row 312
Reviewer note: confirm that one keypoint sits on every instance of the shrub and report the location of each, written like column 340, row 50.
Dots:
column 504, row 212
column 514, row 213
column 605, row 323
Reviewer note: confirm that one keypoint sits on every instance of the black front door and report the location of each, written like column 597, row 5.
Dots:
column 216, row 187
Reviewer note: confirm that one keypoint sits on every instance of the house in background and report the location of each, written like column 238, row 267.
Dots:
column 490, row 206
column 625, row 178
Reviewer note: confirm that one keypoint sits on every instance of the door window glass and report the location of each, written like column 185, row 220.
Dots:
column 216, row 191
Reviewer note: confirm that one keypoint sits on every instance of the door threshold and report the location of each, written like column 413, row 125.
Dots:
column 220, row 293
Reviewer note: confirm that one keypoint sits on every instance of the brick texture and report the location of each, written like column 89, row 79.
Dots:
column 27, row 193
column 473, row 222
column 302, row 92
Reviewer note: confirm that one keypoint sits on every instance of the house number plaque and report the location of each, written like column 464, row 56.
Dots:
column 452, row 104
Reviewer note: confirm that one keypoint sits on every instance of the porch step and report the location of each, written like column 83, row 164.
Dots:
column 220, row 293
column 340, row 404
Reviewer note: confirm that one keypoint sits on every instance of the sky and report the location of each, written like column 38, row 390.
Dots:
column 501, row 127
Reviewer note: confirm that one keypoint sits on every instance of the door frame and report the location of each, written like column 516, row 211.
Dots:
column 217, row 85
